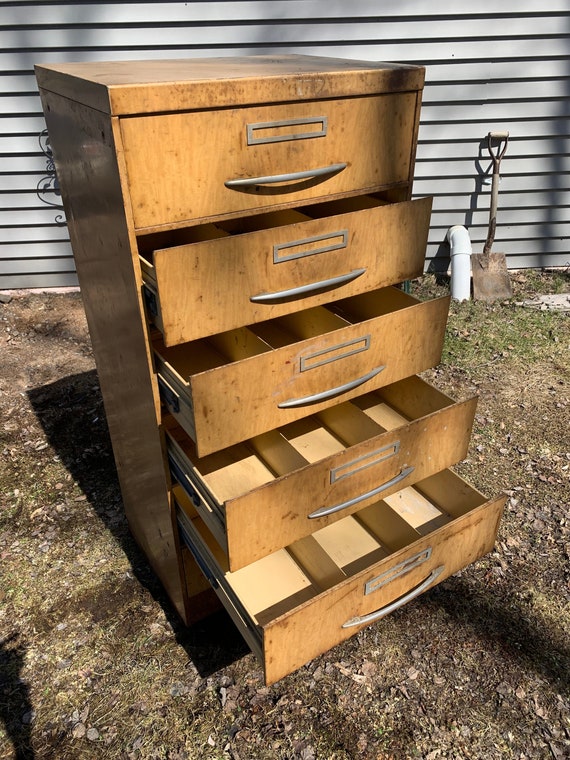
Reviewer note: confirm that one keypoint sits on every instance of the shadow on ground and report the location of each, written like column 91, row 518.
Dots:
column 15, row 705
column 71, row 414
column 501, row 620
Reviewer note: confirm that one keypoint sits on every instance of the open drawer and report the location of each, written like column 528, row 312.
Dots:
column 258, row 496
column 244, row 382
column 300, row 601
column 204, row 280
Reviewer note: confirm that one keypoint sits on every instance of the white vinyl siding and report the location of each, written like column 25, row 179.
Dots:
column 490, row 67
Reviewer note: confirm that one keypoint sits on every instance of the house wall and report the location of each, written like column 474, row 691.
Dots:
column 490, row 67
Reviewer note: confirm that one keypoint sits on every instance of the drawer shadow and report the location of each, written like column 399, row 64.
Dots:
column 497, row 618
column 71, row 414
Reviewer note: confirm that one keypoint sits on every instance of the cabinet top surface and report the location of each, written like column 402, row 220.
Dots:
column 151, row 86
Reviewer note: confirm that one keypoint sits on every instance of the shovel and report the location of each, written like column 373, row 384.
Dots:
column 491, row 280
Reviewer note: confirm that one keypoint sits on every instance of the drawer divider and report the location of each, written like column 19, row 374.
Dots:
column 317, row 565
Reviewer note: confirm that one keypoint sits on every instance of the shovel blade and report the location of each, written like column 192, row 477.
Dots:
column 491, row 281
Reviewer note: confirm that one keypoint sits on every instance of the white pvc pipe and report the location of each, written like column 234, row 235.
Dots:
column 460, row 250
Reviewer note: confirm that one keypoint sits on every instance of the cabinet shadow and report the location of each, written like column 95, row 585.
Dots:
column 70, row 411
column 503, row 624
column 16, row 709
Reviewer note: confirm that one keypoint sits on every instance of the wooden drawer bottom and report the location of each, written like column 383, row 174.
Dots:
column 300, row 601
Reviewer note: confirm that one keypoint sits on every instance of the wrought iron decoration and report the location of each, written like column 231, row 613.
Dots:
column 48, row 185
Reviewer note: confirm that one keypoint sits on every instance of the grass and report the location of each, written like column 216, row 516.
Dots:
column 478, row 335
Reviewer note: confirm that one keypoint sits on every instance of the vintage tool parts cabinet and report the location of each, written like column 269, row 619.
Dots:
column 240, row 228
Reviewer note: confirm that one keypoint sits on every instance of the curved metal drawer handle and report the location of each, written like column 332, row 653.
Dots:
column 331, row 392
column 432, row 577
column 281, row 295
column 323, row 511
column 274, row 179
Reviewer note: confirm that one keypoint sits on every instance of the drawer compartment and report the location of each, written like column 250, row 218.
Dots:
column 272, row 490
column 201, row 164
column 258, row 268
column 244, row 382
column 300, row 601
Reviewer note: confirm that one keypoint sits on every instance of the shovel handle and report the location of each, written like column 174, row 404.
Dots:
column 496, row 156
column 499, row 152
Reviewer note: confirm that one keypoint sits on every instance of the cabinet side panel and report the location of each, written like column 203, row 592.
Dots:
column 82, row 142
column 413, row 154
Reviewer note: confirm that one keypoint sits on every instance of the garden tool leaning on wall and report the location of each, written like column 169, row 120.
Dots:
column 491, row 280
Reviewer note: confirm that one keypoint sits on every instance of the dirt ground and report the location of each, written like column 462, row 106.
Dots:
column 94, row 662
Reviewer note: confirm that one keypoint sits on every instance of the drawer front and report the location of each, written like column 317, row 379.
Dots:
column 307, row 487
column 202, row 164
column 217, row 285
column 232, row 402
column 310, row 630
column 301, row 601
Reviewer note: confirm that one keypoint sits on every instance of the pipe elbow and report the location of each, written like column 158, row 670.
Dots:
column 459, row 240
column 460, row 255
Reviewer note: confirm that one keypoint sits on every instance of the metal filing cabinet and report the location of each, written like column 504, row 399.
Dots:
column 240, row 227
